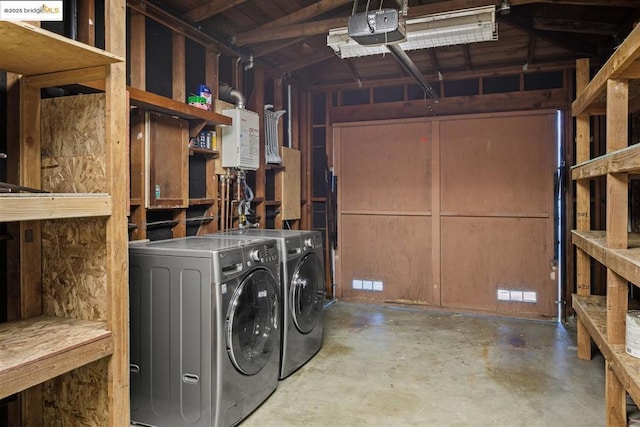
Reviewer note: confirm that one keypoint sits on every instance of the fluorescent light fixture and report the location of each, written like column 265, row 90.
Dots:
column 441, row 29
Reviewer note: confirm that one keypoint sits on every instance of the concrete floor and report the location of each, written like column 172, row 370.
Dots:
column 389, row 366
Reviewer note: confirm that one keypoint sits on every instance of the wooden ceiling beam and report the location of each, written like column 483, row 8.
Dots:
column 267, row 48
column 305, row 13
column 531, row 51
column 352, row 69
column 447, row 6
column 307, row 60
column 211, row 8
column 434, row 60
column 289, row 31
column 524, row 23
column 467, row 56
column 575, row 26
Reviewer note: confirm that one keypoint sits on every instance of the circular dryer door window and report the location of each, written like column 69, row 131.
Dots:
column 252, row 328
column 307, row 293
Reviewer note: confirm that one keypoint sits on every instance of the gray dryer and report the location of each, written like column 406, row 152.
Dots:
column 205, row 330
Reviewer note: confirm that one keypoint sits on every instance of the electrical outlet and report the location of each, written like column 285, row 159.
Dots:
column 504, row 295
column 529, row 296
column 356, row 284
column 516, row 296
column 367, row 285
column 377, row 285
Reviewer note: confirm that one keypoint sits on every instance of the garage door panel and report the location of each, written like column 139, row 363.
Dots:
column 496, row 165
column 395, row 250
column 386, row 168
column 482, row 255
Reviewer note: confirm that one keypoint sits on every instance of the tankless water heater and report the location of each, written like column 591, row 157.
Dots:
column 241, row 141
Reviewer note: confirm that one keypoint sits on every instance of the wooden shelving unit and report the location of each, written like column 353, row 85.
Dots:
column 64, row 327
column 602, row 319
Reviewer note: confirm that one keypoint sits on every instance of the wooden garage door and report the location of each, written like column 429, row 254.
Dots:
column 448, row 211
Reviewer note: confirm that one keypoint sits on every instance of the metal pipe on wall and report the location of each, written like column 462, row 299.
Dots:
column 289, row 118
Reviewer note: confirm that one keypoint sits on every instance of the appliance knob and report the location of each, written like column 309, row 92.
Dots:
column 255, row 255
column 308, row 243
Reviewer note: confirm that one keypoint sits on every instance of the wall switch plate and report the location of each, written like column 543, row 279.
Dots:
column 504, row 295
column 356, row 284
column 367, row 285
column 529, row 296
column 516, row 296
column 377, row 285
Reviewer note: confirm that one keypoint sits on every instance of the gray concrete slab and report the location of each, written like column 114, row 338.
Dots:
column 394, row 366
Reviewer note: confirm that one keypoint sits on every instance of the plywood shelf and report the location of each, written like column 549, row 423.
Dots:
column 204, row 152
column 30, row 50
column 624, row 262
column 41, row 348
column 626, row 160
column 40, row 206
column 194, row 202
column 623, row 64
column 161, row 104
column 592, row 311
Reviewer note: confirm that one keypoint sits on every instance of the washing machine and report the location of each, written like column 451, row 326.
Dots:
column 204, row 330
column 302, row 292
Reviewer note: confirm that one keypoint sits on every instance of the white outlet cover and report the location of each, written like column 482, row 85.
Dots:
column 504, row 295
column 378, row 285
column 356, row 284
column 528, row 296
column 516, row 295
column 367, row 285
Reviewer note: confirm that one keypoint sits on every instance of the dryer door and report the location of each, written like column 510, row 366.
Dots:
column 252, row 322
column 307, row 293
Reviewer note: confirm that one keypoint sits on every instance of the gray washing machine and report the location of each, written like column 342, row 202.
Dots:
column 205, row 330
column 302, row 293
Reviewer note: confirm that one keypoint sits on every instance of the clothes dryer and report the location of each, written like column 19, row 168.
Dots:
column 205, row 330
column 302, row 293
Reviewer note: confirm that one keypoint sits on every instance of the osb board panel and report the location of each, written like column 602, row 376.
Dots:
column 482, row 255
column 497, row 165
column 78, row 398
column 74, row 272
column 73, row 135
column 73, row 125
column 386, row 167
column 393, row 249
column 290, row 198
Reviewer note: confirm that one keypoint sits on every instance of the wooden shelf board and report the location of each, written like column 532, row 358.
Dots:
column 620, row 161
column 30, row 50
column 592, row 311
column 272, row 203
column 204, row 152
column 40, row 206
column 625, row 262
column 41, row 348
column 165, row 105
column 194, row 202
column 621, row 65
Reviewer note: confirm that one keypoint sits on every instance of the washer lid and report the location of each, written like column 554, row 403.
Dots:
column 307, row 293
column 252, row 322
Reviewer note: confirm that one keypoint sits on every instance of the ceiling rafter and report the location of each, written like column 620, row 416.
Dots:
column 531, row 50
column 446, row 6
column 467, row 56
column 211, row 8
column 305, row 13
column 267, row 48
column 573, row 26
column 306, row 61
column 524, row 23
column 289, row 31
column 434, row 60
column 352, row 69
